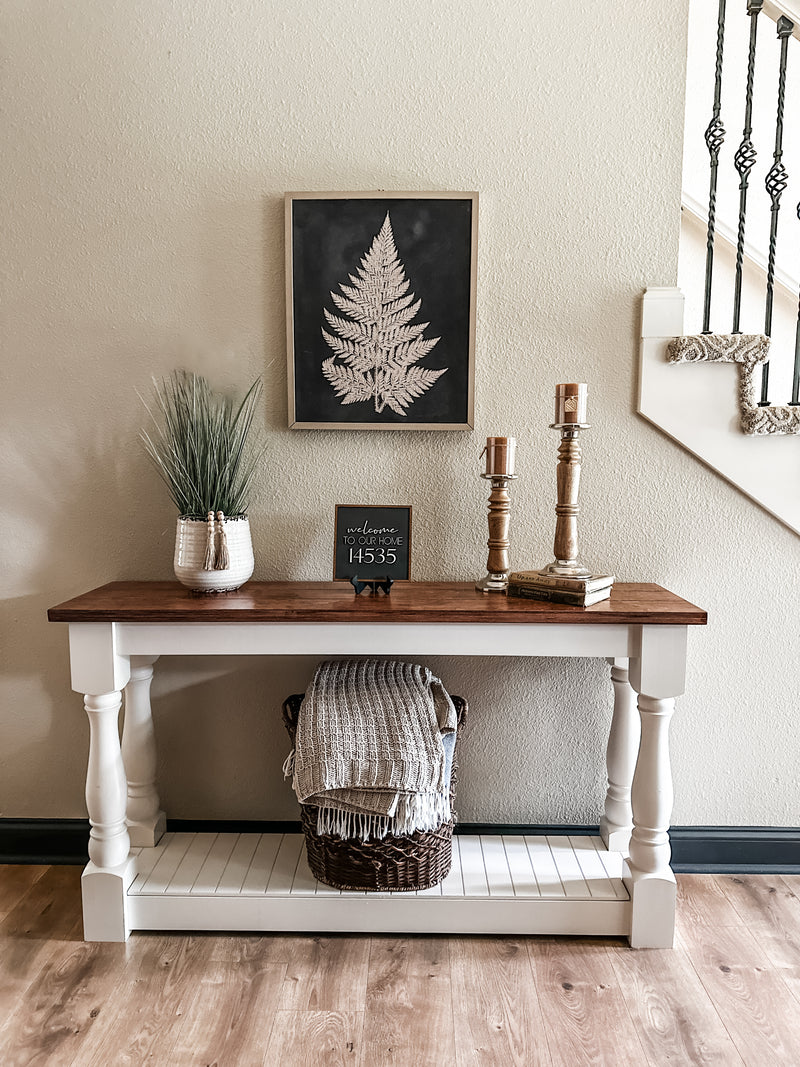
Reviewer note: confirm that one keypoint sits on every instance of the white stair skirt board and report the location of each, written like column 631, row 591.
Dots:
column 696, row 404
column 497, row 885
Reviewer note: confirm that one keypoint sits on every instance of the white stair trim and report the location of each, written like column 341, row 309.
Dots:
column 696, row 404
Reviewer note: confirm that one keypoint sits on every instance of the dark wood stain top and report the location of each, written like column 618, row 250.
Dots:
column 416, row 602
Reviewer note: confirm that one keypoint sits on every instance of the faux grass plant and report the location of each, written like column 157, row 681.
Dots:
column 202, row 445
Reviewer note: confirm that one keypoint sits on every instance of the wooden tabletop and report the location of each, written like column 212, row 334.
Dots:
column 419, row 602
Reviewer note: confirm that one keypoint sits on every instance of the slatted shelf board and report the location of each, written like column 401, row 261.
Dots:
column 497, row 884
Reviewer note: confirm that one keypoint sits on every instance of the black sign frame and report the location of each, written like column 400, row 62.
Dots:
column 372, row 541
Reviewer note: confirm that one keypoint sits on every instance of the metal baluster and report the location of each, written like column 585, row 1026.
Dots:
column 714, row 136
column 776, row 181
column 745, row 158
column 796, row 381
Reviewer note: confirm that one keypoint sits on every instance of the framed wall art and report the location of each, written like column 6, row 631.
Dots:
column 380, row 310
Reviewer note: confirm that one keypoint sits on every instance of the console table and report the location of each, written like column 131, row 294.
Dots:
column 140, row 877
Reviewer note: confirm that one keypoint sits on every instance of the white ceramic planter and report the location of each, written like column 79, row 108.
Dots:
column 190, row 552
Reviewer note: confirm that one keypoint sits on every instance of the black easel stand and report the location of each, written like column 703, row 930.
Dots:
column 374, row 584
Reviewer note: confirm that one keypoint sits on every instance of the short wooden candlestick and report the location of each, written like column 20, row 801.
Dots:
column 568, row 476
column 497, row 565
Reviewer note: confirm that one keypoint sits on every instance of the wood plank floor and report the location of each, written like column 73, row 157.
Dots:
column 728, row 993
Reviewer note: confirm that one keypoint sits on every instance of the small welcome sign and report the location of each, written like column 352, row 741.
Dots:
column 372, row 542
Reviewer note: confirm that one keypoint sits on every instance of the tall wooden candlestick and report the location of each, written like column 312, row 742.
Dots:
column 497, row 565
column 568, row 476
column 570, row 419
column 565, row 581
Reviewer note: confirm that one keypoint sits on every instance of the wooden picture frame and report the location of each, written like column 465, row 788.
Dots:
column 380, row 310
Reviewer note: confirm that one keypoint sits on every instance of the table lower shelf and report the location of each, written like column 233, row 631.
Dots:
column 498, row 884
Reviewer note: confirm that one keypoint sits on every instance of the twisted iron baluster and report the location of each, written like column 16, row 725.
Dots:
column 796, row 380
column 776, row 182
column 745, row 158
column 714, row 136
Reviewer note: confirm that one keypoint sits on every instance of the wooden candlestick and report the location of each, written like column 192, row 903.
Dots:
column 497, row 565
column 568, row 476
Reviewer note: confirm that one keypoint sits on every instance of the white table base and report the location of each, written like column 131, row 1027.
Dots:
column 107, row 657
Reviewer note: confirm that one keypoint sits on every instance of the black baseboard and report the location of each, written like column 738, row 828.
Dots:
column 695, row 849
column 735, row 849
column 50, row 841
column 698, row 849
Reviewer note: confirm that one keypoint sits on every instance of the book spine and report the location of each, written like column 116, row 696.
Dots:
column 569, row 585
column 556, row 596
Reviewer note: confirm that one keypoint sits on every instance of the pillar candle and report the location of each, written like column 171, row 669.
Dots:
column 500, row 456
column 571, row 403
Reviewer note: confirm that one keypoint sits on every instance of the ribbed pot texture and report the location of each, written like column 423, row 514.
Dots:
column 191, row 538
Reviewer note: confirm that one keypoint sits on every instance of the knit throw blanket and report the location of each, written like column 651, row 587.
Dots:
column 369, row 750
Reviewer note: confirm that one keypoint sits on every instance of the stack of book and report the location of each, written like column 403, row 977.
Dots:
column 538, row 585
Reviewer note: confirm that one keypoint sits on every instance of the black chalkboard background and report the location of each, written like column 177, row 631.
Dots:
column 372, row 542
column 329, row 237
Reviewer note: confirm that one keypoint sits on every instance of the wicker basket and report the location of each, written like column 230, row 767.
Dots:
column 391, row 864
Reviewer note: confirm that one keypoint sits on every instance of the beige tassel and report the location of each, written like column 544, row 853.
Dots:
column 223, row 560
column 208, row 562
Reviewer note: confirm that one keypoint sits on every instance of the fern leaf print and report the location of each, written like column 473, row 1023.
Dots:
column 374, row 340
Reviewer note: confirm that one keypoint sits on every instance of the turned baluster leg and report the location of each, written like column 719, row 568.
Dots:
column 623, row 745
column 652, row 788
column 146, row 821
column 106, row 791
column 111, row 868
column 653, row 923
column 658, row 676
column 101, row 672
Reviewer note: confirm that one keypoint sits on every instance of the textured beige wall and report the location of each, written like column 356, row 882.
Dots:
column 146, row 150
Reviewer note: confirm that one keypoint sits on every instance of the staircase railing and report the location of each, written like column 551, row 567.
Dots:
column 785, row 416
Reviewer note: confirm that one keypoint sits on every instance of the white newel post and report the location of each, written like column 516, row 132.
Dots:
column 616, row 823
column 658, row 676
column 100, row 673
column 146, row 821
